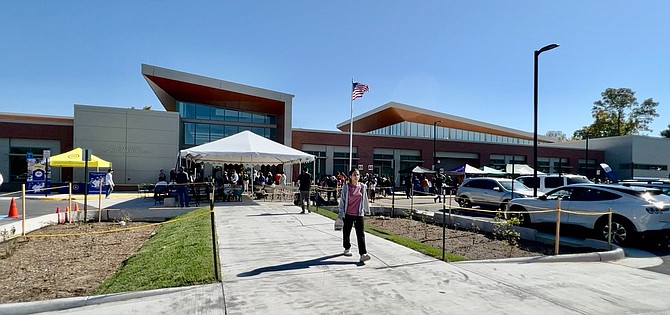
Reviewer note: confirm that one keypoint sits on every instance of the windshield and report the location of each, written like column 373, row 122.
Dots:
column 517, row 185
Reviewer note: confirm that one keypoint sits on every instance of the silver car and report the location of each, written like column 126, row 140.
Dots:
column 490, row 192
column 635, row 210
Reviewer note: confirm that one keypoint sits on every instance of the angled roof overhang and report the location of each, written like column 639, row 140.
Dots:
column 393, row 113
column 171, row 86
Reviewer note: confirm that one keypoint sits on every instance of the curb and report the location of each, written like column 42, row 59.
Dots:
column 615, row 254
column 76, row 302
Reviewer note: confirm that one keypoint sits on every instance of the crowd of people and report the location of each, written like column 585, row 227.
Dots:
column 329, row 186
column 437, row 185
column 376, row 185
column 261, row 179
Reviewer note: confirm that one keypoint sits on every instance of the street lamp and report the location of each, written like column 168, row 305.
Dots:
column 586, row 158
column 434, row 147
column 537, row 54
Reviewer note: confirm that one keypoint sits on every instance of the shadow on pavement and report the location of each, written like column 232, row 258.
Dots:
column 300, row 265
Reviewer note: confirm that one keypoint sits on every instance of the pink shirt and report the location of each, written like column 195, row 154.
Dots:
column 354, row 199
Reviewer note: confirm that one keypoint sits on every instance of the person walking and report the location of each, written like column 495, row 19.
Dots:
column 408, row 186
column 182, row 187
column 438, row 181
column 109, row 181
column 353, row 207
column 282, row 179
column 304, row 185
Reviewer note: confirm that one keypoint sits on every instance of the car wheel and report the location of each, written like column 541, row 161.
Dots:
column 623, row 232
column 464, row 202
column 521, row 213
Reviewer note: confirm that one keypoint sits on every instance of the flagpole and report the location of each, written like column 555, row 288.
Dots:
column 351, row 127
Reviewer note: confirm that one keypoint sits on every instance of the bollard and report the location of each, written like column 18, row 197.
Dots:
column 58, row 215
column 67, row 210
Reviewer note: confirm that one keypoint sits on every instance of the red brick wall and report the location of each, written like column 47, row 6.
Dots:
column 366, row 144
column 62, row 133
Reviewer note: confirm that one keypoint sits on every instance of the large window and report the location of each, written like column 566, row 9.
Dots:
column 320, row 164
column 203, row 123
column 500, row 161
column 426, row 131
column 553, row 165
column 341, row 161
column 201, row 133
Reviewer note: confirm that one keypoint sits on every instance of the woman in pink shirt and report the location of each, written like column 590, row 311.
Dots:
column 354, row 205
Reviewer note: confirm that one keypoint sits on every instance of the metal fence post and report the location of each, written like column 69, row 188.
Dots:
column 411, row 205
column 444, row 229
column 557, row 241
column 211, row 218
column 23, row 209
column 393, row 204
column 609, row 228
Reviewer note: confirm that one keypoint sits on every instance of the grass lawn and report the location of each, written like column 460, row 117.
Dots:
column 179, row 254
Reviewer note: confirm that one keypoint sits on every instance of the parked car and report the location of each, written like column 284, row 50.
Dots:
column 635, row 210
column 490, row 192
column 662, row 184
column 547, row 182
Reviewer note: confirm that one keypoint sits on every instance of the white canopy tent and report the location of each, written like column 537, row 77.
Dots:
column 492, row 171
column 246, row 147
column 465, row 169
column 520, row 169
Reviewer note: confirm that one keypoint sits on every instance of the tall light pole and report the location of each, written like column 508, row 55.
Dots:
column 586, row 158
column 537, row 54
column 434, row 146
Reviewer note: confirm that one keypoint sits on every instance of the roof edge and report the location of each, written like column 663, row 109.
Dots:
column 150, row 70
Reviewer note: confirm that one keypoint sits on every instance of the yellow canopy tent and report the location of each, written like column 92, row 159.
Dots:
column 74, row 158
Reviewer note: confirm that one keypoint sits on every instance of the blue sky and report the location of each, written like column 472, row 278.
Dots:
column 467, row 58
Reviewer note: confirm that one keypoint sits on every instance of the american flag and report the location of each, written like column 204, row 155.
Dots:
column 358, row 90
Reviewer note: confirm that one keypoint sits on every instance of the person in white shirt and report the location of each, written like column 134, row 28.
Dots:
column 234, row 177
column 109, row 181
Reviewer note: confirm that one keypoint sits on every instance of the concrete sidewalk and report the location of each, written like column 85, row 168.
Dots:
column 277, row 261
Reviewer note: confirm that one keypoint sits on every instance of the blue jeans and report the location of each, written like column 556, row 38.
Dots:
column 182, row 193
column 110, row 188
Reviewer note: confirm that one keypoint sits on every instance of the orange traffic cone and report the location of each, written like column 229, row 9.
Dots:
column 13, row 212
column 67, row 214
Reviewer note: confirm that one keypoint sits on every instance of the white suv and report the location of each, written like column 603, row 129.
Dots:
column 635, row 210
column 490, row 192
column 546, row 182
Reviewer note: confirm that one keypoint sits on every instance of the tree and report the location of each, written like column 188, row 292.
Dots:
column 557, row 134
column 618, row 113
column 666, row 133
